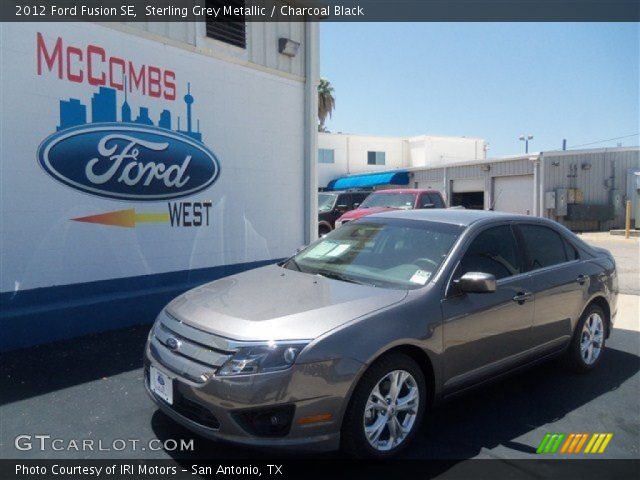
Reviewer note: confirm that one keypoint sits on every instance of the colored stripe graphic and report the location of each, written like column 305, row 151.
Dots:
column 124, row 218
column 598, row 443
column 573, row 443
column 550, row 443
column 565, row 447
column 543, row 443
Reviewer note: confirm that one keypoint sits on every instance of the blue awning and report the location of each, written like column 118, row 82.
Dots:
column 397, row 177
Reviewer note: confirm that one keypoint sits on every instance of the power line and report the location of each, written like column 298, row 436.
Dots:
column 607, row 140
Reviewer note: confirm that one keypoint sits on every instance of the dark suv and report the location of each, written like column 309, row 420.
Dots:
column 331, row 205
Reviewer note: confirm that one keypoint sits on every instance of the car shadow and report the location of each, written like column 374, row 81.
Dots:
column 488, row 417
column 46, row 368
column 493, row 417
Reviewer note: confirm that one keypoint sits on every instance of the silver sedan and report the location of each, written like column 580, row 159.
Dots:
column 347, row 343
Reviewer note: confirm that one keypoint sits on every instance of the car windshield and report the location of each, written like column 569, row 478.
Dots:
column 326, row 201
column 389, row 253
column 392, row 200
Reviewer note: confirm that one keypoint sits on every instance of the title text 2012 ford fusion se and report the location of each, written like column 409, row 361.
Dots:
column 349, row 341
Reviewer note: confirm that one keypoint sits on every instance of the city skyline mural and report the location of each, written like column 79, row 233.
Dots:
column 104, row 109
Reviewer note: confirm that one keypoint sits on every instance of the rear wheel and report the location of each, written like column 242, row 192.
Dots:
column 587, row 346
column 386, row 408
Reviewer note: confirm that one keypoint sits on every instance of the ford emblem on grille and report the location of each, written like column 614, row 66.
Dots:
column 173, row 344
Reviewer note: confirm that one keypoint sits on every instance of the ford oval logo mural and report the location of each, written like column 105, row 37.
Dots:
column 127, row 160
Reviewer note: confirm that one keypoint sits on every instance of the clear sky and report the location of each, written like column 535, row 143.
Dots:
column 578, row 81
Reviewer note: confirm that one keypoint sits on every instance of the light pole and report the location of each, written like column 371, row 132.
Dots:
column 525, row 139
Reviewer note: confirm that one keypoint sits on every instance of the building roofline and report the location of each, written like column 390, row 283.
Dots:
column 405, row 138
column 531, row 156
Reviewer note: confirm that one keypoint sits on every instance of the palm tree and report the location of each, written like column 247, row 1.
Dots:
column 326, row 102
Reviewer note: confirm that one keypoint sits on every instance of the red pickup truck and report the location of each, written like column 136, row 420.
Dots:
column 394, row 199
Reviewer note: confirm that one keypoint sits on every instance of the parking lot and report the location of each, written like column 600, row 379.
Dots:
column 92, row 388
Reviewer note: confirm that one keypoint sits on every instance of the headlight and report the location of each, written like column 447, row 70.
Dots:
column 263, row 358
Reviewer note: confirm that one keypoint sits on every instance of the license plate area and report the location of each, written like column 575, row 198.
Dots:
column 161, row 384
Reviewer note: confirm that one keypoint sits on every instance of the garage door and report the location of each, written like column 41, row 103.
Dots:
column 513, row 194
column 462, row 185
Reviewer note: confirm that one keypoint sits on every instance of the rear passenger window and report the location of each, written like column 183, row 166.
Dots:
column 436, row 200
column 544, row 246
column 345, row 200
column 570, row 250
column 493, row 251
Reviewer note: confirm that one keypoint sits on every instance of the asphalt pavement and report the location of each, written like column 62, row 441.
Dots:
column 626, row 251
column 92, row 388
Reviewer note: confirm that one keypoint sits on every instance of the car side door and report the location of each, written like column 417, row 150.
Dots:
column 485, row 333
column 559, row 283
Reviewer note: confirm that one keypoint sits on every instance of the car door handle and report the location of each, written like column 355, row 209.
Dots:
column 522, row 297
column 582, row 279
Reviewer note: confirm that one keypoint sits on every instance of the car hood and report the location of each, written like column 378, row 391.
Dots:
column 272, row 303
column 361, row 212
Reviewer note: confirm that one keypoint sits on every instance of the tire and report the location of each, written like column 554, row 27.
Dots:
column 360, row 416
column 592, row 326
column 322, row 230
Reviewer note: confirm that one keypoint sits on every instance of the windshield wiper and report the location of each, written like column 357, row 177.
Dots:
column 340, row 276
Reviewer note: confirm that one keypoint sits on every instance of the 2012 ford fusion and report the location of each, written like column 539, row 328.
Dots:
column 347, row 343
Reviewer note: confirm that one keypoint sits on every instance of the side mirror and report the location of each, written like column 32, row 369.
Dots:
column 476, row 282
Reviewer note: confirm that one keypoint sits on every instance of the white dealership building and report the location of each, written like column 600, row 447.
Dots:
column 137, row 160
column 343, row 154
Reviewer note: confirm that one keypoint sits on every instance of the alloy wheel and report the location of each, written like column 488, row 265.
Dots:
column 391, row 410
column 591, row 339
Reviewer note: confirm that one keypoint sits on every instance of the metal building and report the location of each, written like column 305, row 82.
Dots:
column 582, row 189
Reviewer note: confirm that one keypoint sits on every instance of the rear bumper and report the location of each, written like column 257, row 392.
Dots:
column 312, row 389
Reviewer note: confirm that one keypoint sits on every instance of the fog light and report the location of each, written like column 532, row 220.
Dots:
column 270, row 422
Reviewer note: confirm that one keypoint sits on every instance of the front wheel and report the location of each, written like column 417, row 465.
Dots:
column 386, row 408
column 587, row 346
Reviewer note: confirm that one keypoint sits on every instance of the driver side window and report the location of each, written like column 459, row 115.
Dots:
column 493, row 251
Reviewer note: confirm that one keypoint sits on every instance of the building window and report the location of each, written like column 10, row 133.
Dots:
column 375, row 158
column 227, row 28
column 325, row 156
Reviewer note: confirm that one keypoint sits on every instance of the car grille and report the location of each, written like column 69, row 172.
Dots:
column 188, row 351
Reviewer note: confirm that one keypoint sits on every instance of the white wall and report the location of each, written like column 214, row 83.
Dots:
column 252, row 120
column 262, row 40
column 350, row 153
column 435, row 151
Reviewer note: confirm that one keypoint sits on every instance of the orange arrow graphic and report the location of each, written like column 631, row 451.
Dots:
column 124, row 218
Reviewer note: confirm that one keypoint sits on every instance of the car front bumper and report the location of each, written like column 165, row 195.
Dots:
column 317, row 392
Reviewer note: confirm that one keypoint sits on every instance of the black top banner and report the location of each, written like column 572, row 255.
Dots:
column 320, row 10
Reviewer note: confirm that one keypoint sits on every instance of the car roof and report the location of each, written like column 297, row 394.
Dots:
column 407, row 190
column 453, row 215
